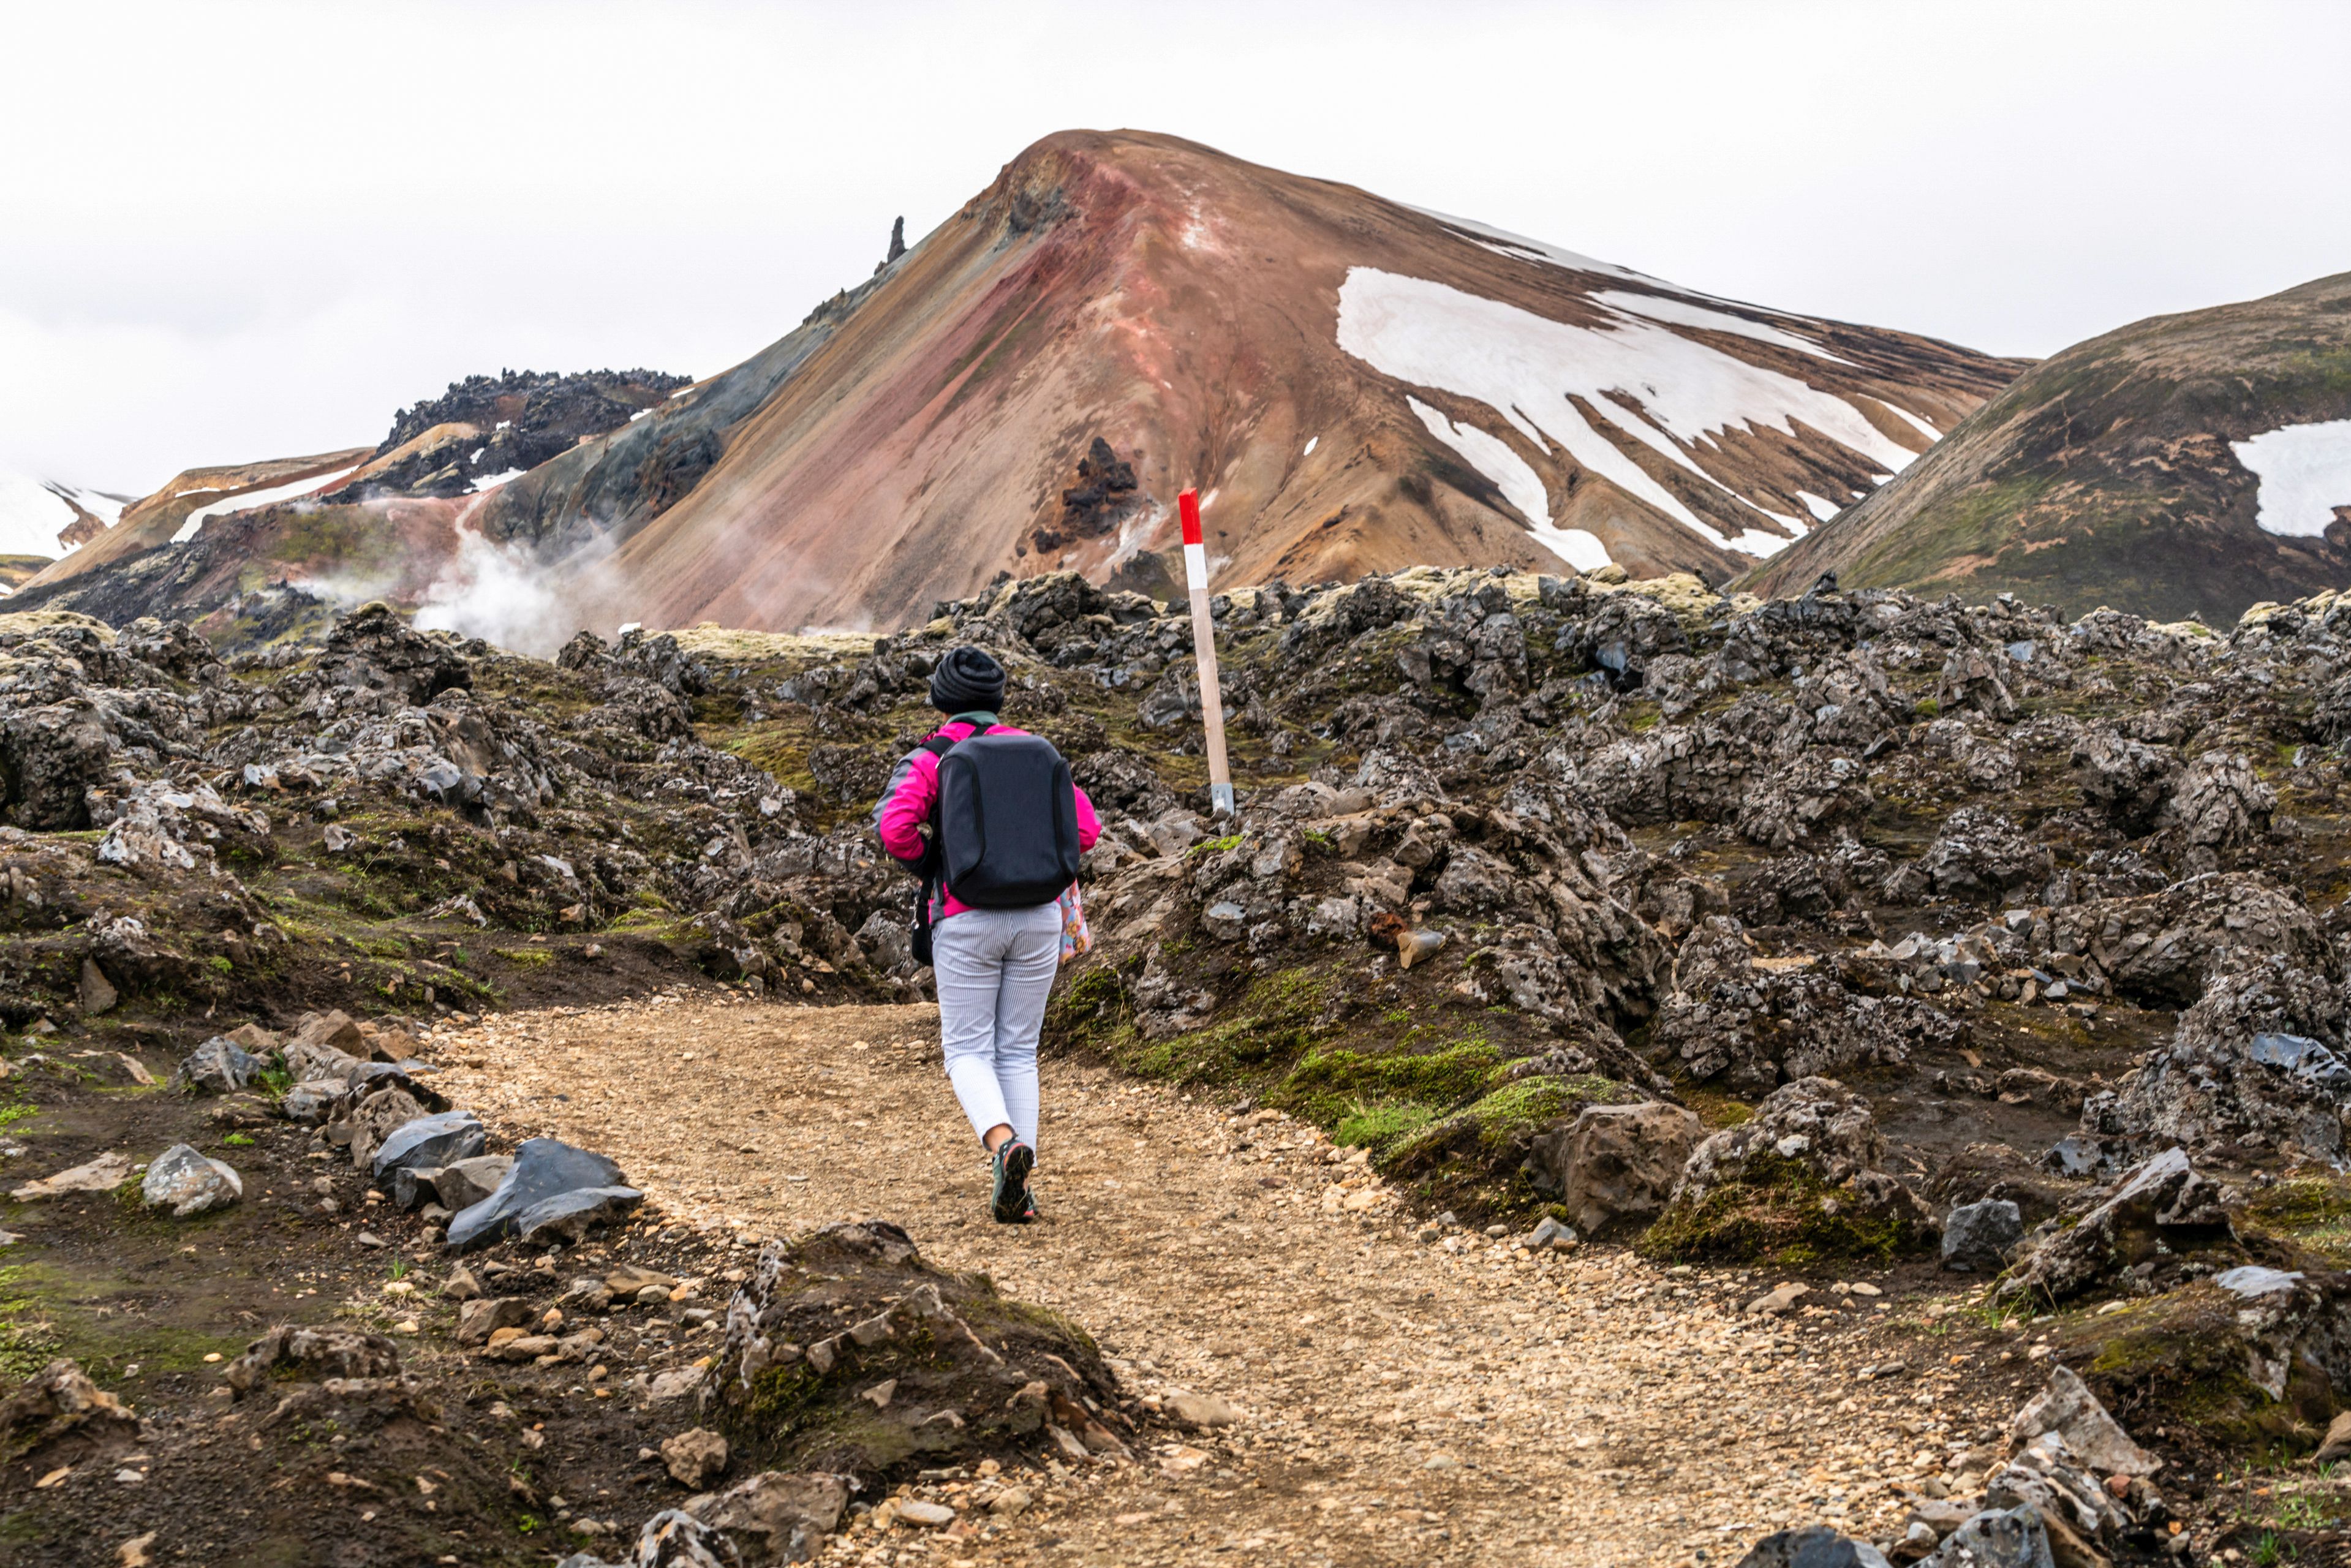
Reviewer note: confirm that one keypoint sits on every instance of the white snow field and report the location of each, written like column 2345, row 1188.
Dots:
column 1525, row 367
column 2305, row 473
column 232, row 504
column 31, row 513
column 1520, row 486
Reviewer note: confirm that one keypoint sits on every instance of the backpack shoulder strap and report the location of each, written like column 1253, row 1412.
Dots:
column 937, row 745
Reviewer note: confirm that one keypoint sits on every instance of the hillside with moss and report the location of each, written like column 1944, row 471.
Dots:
column 2116, row 474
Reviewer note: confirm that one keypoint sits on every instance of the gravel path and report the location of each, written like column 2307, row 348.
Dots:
column 1403, row 1400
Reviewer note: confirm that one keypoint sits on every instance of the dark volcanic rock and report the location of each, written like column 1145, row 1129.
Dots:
column 2254, row 1063
column 1105, row 493
column 1977, row 1236
column 511, row 422
column 544, row 1170
column 2164, row 1204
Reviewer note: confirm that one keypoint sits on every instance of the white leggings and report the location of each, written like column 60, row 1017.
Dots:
column 994, row 968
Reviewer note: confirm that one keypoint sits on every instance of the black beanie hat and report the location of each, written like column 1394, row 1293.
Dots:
column 968, row 681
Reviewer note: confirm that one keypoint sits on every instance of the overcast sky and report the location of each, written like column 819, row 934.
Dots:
column 233, row 230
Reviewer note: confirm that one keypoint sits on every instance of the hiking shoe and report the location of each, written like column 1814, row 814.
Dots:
column 1028, row 1207
column 1013, row 1161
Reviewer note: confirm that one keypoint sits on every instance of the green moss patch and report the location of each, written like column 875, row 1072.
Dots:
column 2179, row 1360
column 1783, row 1212
column 2315, row 1212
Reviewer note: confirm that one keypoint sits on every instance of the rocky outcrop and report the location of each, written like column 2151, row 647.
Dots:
column 1979, row 857
column 487, row 428
column 2160, row 1208
column 2218, row 806
column 1808, row 1167
column 935, row 1365
column 1757, row 1027
column 1617, row 1163
column 2257, row 1062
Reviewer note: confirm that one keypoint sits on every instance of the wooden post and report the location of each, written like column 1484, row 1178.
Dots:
column 1204, row 650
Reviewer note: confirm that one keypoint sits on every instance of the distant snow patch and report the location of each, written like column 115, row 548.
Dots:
column 1668, row 391
column 1310, row 442
column 30, row 516
column 1928, row 431
column 253, row 499
column 106, row 509
column 2305, row 472
column 1520, row 486
column 1819, row 506
column 1756, row 543
column 1689, row 313
column 492, row 481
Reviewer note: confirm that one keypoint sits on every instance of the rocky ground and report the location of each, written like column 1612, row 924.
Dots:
column 1727, row 961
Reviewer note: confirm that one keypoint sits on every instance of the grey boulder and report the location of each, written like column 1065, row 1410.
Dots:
column 568, row 1216
column 311, row 1103
column 543, row 1170
column 1812, row 1546
column 2068, row 1409
column 787, row 1515
column 219, row 1066
column 1618, row 1161
column 429, row 1142
column 462, row 1184
column 188, row 1183
column 1977, row 1236
column 1997, row 1538
column 2163, row 1202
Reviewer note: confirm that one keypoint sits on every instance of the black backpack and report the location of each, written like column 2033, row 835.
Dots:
column 1004, row 829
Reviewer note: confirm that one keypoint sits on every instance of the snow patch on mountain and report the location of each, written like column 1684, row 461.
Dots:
column 1527, row 368
column 2305, row 474
column 31, row 513
column 229, row 506
column 1520, row 485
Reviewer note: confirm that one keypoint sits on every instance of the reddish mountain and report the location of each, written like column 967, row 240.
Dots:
column 1353, row 386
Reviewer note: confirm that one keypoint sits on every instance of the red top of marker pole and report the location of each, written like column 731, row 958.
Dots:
column 1188, row 504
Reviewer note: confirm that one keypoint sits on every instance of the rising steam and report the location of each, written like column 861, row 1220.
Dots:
column 509, row 595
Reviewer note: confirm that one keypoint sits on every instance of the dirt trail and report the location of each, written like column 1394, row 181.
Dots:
column 1403, row 1403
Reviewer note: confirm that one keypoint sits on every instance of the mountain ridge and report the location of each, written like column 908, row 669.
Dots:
column 2126, row 470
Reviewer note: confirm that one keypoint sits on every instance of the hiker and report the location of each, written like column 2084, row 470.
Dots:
column 996, row 883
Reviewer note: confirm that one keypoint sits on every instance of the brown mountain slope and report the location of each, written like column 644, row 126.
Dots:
column 2189, row 464
column 1352, row 384
column 191, row 498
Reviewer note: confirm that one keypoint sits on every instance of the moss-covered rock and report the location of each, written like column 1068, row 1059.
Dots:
column 1799, row 1181
column 848, row 1353
column 1780, row 1210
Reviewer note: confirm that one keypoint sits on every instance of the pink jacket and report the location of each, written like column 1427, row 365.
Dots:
column 913, row 789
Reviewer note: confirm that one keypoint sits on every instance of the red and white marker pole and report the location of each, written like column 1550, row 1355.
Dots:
column 1204, row 649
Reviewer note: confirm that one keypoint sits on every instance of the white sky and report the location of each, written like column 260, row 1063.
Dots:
column 233, row 230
